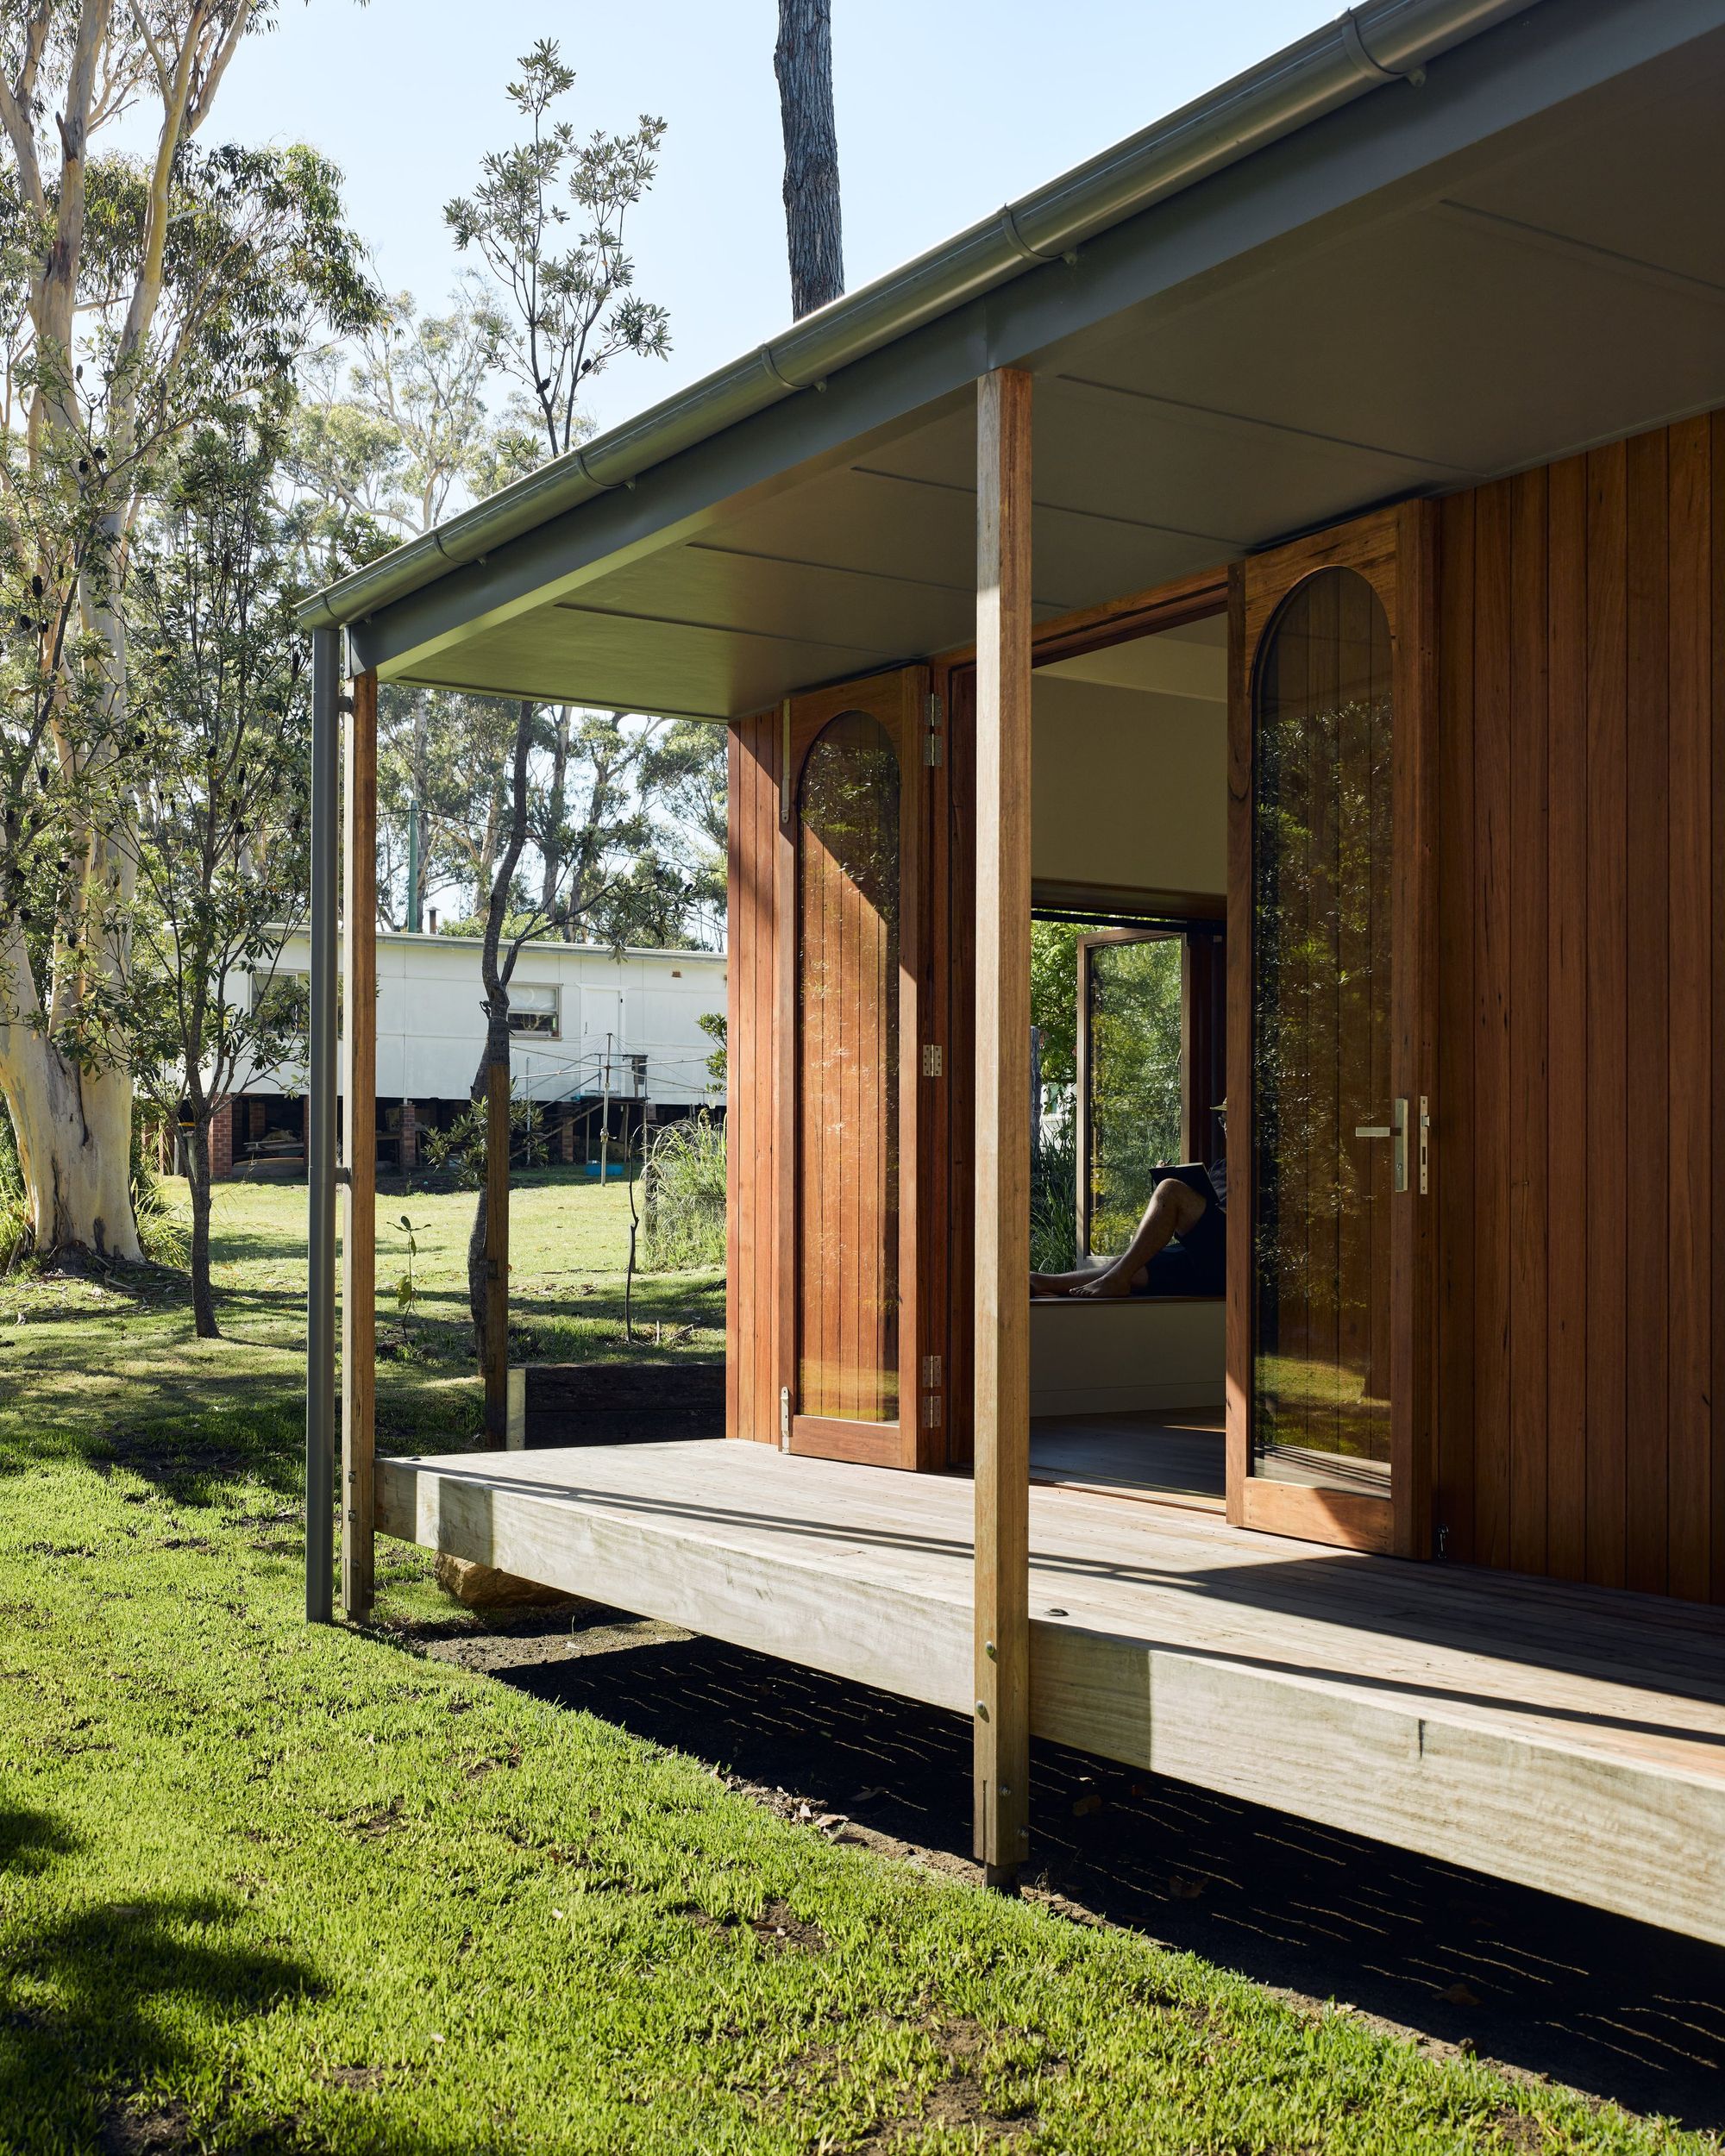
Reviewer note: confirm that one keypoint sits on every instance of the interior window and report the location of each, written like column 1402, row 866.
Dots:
column 1129, row 1100
column 1127, row 1073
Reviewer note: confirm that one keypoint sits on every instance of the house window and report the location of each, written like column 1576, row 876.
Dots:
column 282, row 997
column 1127, row 1073
column 533, row 1009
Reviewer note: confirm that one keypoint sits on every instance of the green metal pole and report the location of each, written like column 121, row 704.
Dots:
column 413, row 868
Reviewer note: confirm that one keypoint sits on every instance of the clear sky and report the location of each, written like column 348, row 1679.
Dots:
column 946, row 109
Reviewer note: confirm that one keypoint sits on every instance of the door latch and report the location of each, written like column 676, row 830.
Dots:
column 784, row 1418
column 1396, row 1132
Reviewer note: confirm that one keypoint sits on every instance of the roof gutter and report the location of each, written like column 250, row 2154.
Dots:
column 1380, row 41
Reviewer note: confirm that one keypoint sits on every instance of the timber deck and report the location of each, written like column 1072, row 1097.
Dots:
column 1572, row 1739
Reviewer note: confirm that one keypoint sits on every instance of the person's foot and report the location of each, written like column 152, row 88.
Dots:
column 1105, row 1286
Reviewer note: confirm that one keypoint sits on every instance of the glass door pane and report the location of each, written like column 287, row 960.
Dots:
column 1326, row 1137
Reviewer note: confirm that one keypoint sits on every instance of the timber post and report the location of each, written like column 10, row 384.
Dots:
column 1002, row 1768
column 320, row 1128
column 359, row 1211
column 496, row 1242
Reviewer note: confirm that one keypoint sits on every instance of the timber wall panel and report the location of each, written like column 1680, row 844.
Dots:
column 1581, row 1001
column 752, row 1361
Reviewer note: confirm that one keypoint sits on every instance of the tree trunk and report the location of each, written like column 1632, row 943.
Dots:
column 488, row 1238
column 802, row 60
column 74, row 1133
column 198, row 1177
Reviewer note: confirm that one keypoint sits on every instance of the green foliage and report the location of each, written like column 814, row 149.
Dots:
column 1053, row 996
column 716, row 1027
column 683, row 1187
column 574, row 306
column 161, row 1226
column 14, row 1211
column 1053, row 1197
column 221, row 712
column 407, row 1294
column 465, row 1146
column 1135, row 1031
column 1135, row 1036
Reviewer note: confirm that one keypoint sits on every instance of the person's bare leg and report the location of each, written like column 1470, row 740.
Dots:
column 1175, row 1208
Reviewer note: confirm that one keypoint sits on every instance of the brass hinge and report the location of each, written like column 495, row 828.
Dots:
column 931, row 1059
column 931, row 1371
column 784, row 1418
column 930, row 1411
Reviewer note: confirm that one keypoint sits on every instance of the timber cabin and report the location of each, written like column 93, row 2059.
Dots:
column 1298, row 533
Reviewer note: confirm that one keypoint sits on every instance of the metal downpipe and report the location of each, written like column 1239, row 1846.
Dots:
column 320, row 1150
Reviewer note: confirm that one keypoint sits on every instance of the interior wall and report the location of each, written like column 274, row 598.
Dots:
column 1579, row 1139
column 1146, row 1352
column 1128, row 787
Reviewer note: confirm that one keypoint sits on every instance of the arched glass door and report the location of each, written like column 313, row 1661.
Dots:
column 1328, row 1136
column 1330, row 1085
column 850, row 1074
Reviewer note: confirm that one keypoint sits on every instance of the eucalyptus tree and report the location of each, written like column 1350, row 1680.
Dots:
column 802, row 61
column 144, row 294
column 547, row 218
column 218, row 847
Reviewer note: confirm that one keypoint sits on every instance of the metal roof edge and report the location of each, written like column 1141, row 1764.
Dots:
column 553, row 944
column 1377, row 43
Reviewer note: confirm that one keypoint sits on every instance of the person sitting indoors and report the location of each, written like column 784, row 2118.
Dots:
column 1180, row 1247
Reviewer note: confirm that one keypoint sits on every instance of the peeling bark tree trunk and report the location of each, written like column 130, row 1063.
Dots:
column 802, row 60
column 74, row 1133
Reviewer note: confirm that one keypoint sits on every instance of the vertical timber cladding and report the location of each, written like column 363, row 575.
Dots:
column 1580, row 1142
column 751, row 1295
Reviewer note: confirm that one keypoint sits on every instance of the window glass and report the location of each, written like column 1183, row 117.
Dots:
column 1132, row 1021
column 532, row 1008
column 1321, row 1111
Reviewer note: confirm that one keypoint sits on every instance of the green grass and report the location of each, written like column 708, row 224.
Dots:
column 273, row 1887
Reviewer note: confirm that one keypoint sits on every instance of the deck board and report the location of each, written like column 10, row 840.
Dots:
column 1567, row 1737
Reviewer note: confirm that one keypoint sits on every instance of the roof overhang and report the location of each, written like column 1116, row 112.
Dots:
column 1402, row 291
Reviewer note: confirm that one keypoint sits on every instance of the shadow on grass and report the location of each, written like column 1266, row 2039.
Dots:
column 88, row 2003
column 1613, row 2008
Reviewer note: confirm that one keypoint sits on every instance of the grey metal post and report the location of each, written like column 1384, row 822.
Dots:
column 320, row 1149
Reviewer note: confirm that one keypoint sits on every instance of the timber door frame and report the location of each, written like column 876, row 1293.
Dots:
column 899, row 699
column 1395, row 550
column 949, row 1278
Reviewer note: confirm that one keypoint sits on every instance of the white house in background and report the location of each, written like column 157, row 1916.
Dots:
column 601, row 1039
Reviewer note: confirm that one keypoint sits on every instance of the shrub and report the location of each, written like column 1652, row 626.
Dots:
column 1053, row 1197
column 14, row 1221
column 683, row 1196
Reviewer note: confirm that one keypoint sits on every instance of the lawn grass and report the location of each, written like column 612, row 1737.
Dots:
column 272, row 1888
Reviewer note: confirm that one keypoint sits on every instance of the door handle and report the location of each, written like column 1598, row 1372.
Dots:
column 1396, row 1132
